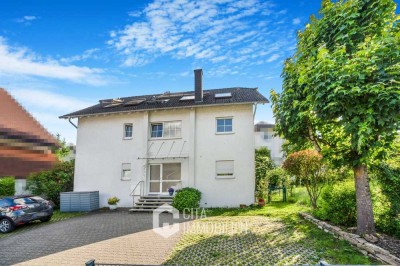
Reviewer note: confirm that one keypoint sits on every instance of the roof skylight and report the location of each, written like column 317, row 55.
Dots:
column 112, row 105
column 223, row 95
column 187, row 98
column 134, row 102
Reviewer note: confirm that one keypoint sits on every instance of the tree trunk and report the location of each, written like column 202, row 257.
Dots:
column 365, row 215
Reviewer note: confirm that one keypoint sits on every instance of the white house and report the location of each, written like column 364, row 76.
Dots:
column 147, row 144
column 265, row 137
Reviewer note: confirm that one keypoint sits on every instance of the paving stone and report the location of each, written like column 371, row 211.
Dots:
column 265, row 242
column 100, row 233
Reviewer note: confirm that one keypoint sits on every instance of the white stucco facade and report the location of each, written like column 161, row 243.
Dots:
column 102, row 153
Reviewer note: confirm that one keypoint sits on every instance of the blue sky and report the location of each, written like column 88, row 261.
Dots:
column 61, row 56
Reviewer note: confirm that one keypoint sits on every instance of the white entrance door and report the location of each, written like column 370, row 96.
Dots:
column 163, row 176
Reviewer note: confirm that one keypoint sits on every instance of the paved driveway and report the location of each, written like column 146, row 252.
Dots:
column 74, row 241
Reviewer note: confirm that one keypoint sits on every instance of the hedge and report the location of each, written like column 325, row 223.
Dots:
column 7, row 186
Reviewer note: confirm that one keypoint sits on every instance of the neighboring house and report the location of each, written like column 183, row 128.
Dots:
column 201, row 139
column 265, row 137
column 25, row 146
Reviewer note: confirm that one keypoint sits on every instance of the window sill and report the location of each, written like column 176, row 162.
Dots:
column 164, row 138
column 225, row 177
column 125, row 179
column 127, row 138
column 224, row 133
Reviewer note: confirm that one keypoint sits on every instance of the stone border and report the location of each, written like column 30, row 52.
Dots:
column 357, row 241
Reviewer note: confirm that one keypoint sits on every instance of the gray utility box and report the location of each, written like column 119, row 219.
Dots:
column 84, row 201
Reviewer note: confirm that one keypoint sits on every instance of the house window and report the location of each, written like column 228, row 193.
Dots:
column 157, row 130
column 126, row 171
column 166, row 130
column 128, row 131
column 224, row 125
column 224, row 169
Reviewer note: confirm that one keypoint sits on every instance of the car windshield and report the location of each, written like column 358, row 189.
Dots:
column 22, row 201
column 6, row 203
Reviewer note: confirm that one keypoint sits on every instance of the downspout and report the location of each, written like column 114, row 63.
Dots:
column 255, row 110
column 69, row 120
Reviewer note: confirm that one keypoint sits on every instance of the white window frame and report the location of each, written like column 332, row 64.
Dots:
column 126, row 167
column 224, row 132
column 124, row 131
column 161, row 180
column 164, row 129
column 225, row 176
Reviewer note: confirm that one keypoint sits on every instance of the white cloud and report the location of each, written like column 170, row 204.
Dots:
column 90, row 53
column 135, row 14
column 225, row 32
column 47, row 106
column 46, row 100
column 296, row 21
column 26, row 19
column 19, row 61
column 30, row 17
column 273, row 58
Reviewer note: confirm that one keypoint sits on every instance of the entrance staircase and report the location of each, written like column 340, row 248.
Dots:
column 150, row 203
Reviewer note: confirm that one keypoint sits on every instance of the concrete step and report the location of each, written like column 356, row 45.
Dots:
column 155, row 200
column 157, row 197
column 151, row 202
column 145, row 207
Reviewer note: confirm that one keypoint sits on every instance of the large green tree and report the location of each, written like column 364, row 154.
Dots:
column 341, row 89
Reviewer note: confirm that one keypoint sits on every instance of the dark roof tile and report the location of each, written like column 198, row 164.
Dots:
column 155, row 101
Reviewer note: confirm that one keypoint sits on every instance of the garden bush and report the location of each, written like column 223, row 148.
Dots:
column 7, row 186
column 186, row 198
column 386, row 197
column 264, row 163
column 50, row 183
column 308, row 166
column 338, row 204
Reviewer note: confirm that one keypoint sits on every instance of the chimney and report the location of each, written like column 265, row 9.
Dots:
column 198, row 85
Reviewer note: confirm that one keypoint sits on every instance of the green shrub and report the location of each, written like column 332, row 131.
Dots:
column 386, row 197
column 186, row 198
column 113, row 201
column 7, row 186
column 262, row 189
column 263, row 162
column 308, row 166
column 338, row 204
column 50, row 183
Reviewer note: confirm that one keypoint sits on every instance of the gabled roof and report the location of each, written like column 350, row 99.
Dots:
column 228, row 96
column 17, row 123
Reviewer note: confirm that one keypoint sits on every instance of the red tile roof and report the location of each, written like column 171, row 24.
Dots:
column 15, row 121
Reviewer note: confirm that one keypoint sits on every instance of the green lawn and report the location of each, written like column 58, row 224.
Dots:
column 276, row 235
column 57, row 216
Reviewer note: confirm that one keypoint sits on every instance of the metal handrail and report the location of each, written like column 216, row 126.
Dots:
column 141, row 191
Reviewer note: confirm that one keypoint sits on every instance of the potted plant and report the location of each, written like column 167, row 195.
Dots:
column 112, row 202
column 261, row 193
column 171, row 191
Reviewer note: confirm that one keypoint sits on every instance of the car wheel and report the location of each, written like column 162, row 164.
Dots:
column 45, row 219
column 6, row 226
